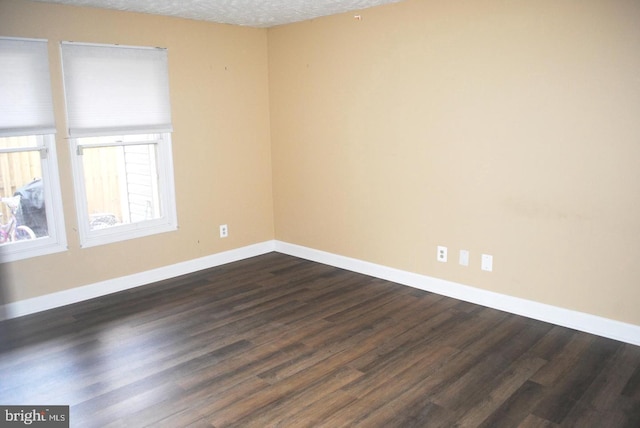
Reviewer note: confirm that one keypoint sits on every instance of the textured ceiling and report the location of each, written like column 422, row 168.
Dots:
column 253, row 13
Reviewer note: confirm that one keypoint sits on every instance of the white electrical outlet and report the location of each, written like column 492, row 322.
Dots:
column 487, row 262
column 442, row 254
column 224, row 231
column 464, row 257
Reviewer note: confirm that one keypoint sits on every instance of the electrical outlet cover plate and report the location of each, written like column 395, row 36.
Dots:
column 224, row 231
column 487, row 262
column 442, row 254
column 464, row 257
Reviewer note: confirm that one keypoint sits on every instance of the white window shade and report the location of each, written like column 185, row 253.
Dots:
column 113, row 90
column 25, row 88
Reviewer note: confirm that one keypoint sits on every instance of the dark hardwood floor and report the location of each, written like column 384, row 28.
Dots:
column 276, row 341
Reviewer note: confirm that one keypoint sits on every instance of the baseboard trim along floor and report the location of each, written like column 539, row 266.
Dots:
column 103, row 288
column 593, row 324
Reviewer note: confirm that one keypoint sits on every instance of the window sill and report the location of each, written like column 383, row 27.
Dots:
column 126, row 232
column 26, row 250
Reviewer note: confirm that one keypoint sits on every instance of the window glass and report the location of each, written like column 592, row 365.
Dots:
column 121, row 179
column 23, row 210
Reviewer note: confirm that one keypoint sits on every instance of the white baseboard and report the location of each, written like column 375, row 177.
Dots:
column 593, row 324
column 78, row 294
column 600, row 326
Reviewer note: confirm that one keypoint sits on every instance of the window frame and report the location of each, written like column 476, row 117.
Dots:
column 167, row 222
column 122, row 96
column 56, row 241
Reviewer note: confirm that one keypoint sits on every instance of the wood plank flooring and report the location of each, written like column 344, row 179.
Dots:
column 276, row 341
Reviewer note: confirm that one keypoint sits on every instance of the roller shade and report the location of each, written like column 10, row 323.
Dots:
column 112, row 90
column 25, row 88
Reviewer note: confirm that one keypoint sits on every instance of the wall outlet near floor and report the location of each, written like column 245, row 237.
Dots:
column 464, row 257
column 487, row 262
column 442, row 254
column 224, row 231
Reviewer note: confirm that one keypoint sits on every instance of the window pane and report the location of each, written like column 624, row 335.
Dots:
column 121, row 184
column 23, row 204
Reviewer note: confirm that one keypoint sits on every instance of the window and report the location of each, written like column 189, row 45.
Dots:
column 31, row 221
column 119, row 121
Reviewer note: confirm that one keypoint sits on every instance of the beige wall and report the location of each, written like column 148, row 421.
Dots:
column 507, row 128
column 221, row 143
